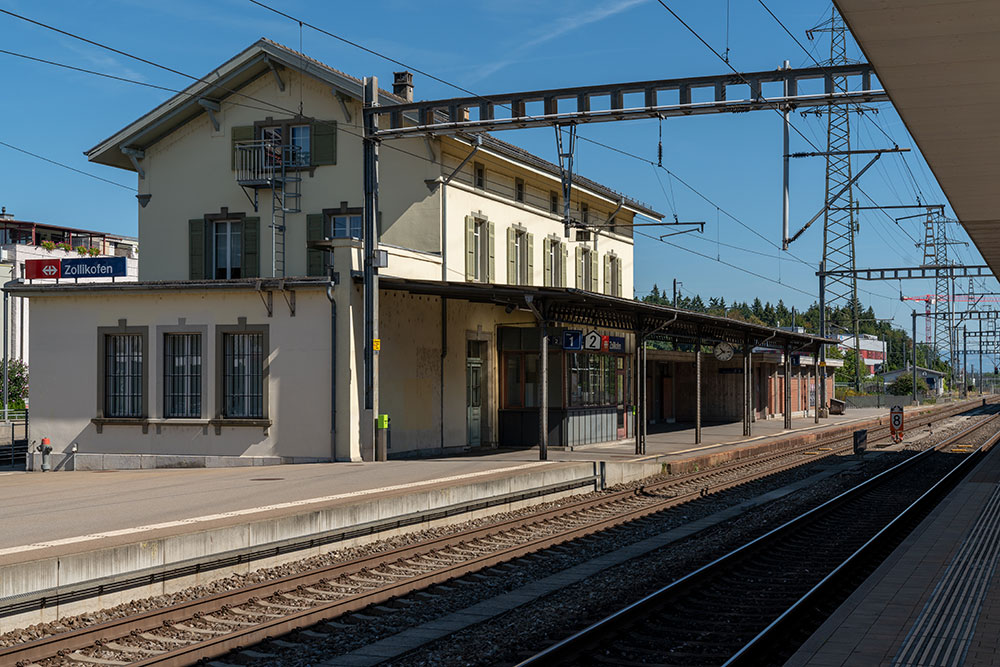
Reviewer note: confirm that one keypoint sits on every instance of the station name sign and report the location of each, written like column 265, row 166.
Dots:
column 85, row 267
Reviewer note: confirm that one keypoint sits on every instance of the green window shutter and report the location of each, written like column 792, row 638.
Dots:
column 314, row 232
column 618, row 269
column 470, row 248
column 196, row 249
column 594, row 271
column 579, row 268
column 490, row 268
column 531, row 258
column 251, row 247
column 240, row 134
column 324, row 142
column 511, row 264
column 546, row 263
column 607, row 274
column 565, row 261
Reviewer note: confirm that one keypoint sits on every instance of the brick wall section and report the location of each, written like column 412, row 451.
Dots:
column 794, row 440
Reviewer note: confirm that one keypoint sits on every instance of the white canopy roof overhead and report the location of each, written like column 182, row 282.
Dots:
column 939, row 61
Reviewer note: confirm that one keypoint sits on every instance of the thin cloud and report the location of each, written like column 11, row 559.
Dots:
column 562, row 27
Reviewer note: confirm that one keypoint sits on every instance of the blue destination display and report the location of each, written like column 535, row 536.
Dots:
column 94, row 267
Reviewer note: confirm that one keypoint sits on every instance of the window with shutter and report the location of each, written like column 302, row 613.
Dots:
column 592, row 256
column 315, row 258
column 547, row 246
column 607, row 273
column 491, row 263
column 196, row 249
column 579, row 265
column 251, row 247
column 529, row 259
column 511, row 256
column 324, row 142
column 617, row 286
column 471, row 250
column 562, row 264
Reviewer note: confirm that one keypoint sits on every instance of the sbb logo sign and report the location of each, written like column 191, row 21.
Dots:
column 42, row 268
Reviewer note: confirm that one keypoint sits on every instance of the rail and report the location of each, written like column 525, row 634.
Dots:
column 579, row 519
column 569, row 650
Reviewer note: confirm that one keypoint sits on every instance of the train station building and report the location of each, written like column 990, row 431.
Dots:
column 242, row 341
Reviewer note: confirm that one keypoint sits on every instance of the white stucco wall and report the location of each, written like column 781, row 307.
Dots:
column 189, row 173
column 64, row 383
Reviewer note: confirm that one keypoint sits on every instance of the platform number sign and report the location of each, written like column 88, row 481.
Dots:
column 592, row 341
column 572, row 339
column 896, row 423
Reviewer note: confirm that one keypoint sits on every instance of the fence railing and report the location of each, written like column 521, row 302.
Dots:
column 262, row 161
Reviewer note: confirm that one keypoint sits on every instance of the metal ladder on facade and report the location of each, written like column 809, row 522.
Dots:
column 285, row 198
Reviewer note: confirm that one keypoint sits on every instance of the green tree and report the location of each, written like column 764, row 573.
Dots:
column 903, row 386
column 17, row 372
column 846, row 373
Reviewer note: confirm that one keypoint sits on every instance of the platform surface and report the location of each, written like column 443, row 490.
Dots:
column 935, row 601
column 75, row 509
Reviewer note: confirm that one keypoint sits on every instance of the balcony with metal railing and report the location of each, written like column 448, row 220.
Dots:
column 266, row 163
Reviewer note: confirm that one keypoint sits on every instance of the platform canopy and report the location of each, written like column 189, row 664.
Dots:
column 578, row 307
column 939, row 63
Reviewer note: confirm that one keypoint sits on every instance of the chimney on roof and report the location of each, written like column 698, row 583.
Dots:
column 402, row 85
column 4, row 215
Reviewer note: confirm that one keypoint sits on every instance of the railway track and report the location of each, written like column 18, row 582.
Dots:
column 754, row 605
column 212, row 626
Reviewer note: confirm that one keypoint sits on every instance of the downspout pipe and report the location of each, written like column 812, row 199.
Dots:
column 333, row 369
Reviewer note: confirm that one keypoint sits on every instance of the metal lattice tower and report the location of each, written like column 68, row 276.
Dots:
column 839, row 225
column 941, row 335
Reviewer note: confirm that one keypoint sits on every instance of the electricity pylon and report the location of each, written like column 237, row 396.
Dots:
column 839, row 224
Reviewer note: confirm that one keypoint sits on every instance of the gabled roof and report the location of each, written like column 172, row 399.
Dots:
column 221, row 83
column 255, row 61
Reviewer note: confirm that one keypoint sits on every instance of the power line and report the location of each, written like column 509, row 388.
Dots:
column 87, row 71
column 816, row 62
column 740, row 75
column 721, row 261
column 474, row 94
column 66, row 166
column 340, row 128
column 269, row 106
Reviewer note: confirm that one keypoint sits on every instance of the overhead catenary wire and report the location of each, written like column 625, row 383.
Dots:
column 669, row 173
column 474, row 94
column 341, row 128
column 123, row 79
column 918, row 191
column 66, row 166
column 761, row 98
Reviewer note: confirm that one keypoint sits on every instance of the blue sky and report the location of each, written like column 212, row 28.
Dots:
column 733, row 161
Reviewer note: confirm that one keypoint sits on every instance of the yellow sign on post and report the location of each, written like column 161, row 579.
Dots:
column 376, row 344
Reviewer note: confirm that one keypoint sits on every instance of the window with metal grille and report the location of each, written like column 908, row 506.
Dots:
column 243, row 375
column 182, row 375
column 123, row 375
